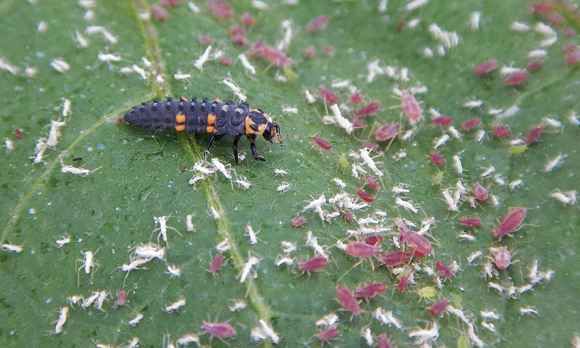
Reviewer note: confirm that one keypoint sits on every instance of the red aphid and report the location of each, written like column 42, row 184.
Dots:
column 443, row 121
column 383, row 341
column 327, row 335
column 573, row 57
column 370, row 146
column 471, row 222
column 170, row 3
column 270, row 54
column 347, row 300
column 516, row 78
column 298, row 221
column 370, row 290
column 220, row 9
column 159, row 13
column 347, row 216
column 238, row 35
column 485, row 68
column 438, row 308
column 374, row 240
column 216, row 264
column 328, row 95
column 420, row 245
column 387, row 132
column 225, row 60
column 313, row 264
column 480, row 193
column 502, row 258
column 365, row 196
column 501, row 131
column 402, row 226
column 218, row 330
column 437, row 159
column 555, row 19
column 404, row 282
column 471, row 124
column 372, row 183
column 443, row 270
column 121, row 297
column 534, row 135
column 541, row 8
column 569, row 32
column 395, row 258
column 247, row 20
column 411, row 107
column 511, row 222
column 535, row 65
column 356, row 98
column 361, row 249
column 317, row 24
column 18, row 134
column 329, row 50
column 321, row 143
column 369, row 110
column 205, row 39
column 310, row 52
column 569, row 47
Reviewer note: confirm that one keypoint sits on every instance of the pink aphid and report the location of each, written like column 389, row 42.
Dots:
column 411, row 107
column 248, row 20
column 361, row 249
column 205, row 39
column 471, row 124
column 437, row 159
column 226, row 61
column 356, row 98
column 370, row 146
column 555, row 19
column 327, row 335
column 420, row 245
column 470, row 221
column 216, row 264
column 369, row 110
column 218, row 330
column 438, row 308
column 480, row 193
column 169, row 3
column 535, row 65
column 387, row 131
column 502, row 258
column 298, row 221
column 317, row 24
column 347, row 300
column 511, row 222
column 395, row 258
column 370, row 290
column 220, row 9
column 404, row 282
column 347, row 216
column 321, row 143
column 365, row 196
column 383, row 341
column 516, row 78
column 442, row 121
column 313, row 264
column 569, row 32
column 374, row 240
column 238, row 35
column 485, row 68
column 358, row 122
column 569, row 47
column 121, row 297
column 501, row 131
column 309, row 52
column 572, row 57
column 270, row 54
column 534, row 135
column 328, row 95
column 443, row 270
column 159, row 13
column 329, row 50
column 372, row 183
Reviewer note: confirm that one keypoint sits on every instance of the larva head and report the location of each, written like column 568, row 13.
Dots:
column 259, row 123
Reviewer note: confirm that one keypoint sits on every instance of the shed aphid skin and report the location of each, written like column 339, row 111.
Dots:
column 555, row 163
column 11, row 248
column 67, row 169
column 248, row 268
column 252, row 236
column 387, row 318
column 528, row 311
column 62, row 318
column 189, row 223
column 427, row 335
column 215, row 118
column 60, row 65
column 566, row 198
column 161, row 221
column 150, row 251
column 237, row 305
column 236, row 90
column 367, row 335
column 173, row 271
column 175, row 306
column 88, row 262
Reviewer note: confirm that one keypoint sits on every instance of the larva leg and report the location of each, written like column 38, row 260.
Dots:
column 255, row 153
column 235, row 148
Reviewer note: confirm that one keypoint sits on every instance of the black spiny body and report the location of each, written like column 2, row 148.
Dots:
column 215, row 118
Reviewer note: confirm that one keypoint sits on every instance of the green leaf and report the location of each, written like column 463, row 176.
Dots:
column 136, row 176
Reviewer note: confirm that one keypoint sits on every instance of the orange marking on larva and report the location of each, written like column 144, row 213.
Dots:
column 179, row 118
column 210, row 130
column 179, row 127
column 262, row 128
column 248, row 126
column 211, row 119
